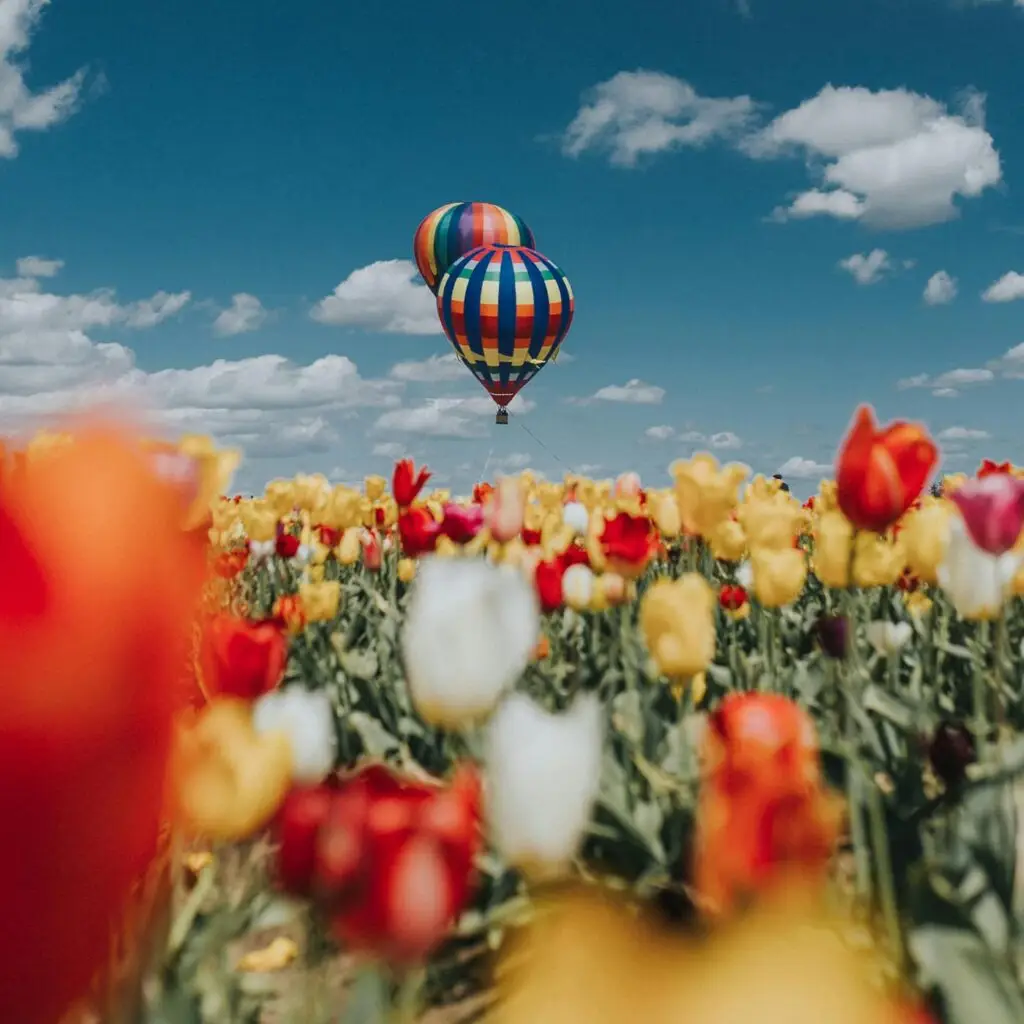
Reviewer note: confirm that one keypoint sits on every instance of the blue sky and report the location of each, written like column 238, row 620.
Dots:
column 214, row 207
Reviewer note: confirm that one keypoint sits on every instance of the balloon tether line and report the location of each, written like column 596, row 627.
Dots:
column 544, row 446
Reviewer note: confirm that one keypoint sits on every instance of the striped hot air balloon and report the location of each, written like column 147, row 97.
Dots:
column 505, row 309
column 451, row 231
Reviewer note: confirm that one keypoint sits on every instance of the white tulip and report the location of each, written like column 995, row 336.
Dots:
column 578, row 587
column 745, row 575
column 470, row 631
column 307, row 719
column 977, row 583
column 259, row 550
column 543, row 776
column 889, row 637
column 576, row 516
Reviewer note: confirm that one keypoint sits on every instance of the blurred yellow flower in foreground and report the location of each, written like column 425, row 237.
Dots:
column 878, row 561
column 833, row 539
column 771, row 522
column 677, row 619
column 728, row 541
column 588, row 960
column 779, row 575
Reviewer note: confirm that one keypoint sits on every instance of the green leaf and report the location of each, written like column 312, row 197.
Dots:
column 377, row 741
column 359, row 664
column 628, row 716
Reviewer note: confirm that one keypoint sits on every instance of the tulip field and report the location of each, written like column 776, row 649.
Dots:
column 574, row 751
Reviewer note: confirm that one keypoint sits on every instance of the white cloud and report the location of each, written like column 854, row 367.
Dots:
column 20, row 108
column 636, row 113
column 385, row 296
column 246, row 313
column 432, row 370
column 50, row 366
column 948, row 383
column 388, row 450
column 1008, row 288
column 634, row 392
column 962, row 434
column 726, row 439
column 797, row 468
column 940, row 289
column 37, row 266
column 892, row 158
column 447, row 417
column 1010, row 364
column 867, row 269
column 661, row 433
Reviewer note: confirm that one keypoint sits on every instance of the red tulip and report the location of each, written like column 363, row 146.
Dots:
column 96, row 606
column 406, row 483
column 242, row 659
column 286, row 545
column 373, row 554
column 418, row 531
column 990, row 468
column 547, row 581
column 461, row 524
column 389, row 859
column 992, row 509
column 880, row 473
column 629, row 542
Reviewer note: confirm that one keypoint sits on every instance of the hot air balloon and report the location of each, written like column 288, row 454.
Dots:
column 451, row 231
column 505, row 309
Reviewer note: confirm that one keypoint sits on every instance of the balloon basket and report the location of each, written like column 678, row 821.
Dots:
column 502, row 416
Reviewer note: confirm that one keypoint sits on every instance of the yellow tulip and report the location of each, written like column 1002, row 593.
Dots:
column 833, row 539
column 446, row 548
column 260, row 520
column 310, row 491
column 878, row 561
column 728, row 541
column 215, row 467
column 762, row 488
column 406, row 570
column 229, row 780
column 677, row 619
column 698, row 686
column 917, row 603
column 315, row 573
column 827, row 498
column 320, row 600
column 664, row 510
column 706, row 493
column 779, row 575
column 280, row 496
column 374, row 487
column 770, row 522
column 342, row 509
column 349, row 548
column 924, row 534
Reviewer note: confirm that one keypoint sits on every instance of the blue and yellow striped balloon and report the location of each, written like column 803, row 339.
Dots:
column 451, row 231
column 506, row 309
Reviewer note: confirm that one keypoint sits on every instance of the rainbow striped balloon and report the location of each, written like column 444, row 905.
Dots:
column 505, row 309
column 451, row 231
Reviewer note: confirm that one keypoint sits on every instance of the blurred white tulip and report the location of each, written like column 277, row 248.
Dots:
column 307, row 719
column 543, row 776
column 977, row 583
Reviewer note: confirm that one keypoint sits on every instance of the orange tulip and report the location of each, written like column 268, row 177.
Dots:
column 880, row 473
column 97, row 594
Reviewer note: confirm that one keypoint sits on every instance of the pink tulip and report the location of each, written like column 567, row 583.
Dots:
column 992, row 509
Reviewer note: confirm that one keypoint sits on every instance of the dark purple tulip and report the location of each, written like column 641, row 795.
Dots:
column 950, row 751
column 834, row 635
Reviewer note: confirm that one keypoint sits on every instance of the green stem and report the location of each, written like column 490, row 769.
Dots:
column 886, row 884
column 979, row 681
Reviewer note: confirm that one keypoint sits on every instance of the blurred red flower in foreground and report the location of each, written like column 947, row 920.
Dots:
column 990, row 468
column 97, row 597
column 242, row 659
column 388, row 859
column 764, row 815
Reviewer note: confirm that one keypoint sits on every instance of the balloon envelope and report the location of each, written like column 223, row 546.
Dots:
column 451, row 231
column 505, row 309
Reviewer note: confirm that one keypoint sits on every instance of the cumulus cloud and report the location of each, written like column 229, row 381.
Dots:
column 50, row 365
column 432, row 370
column 447, row 417
column 37, row 266
column 1008, row 288
column 659, row 433
column 639, row 113
column 22, row 110
column 892, row 158
column 869, row 268
column 386, row 297
column 633, row 392
column 962, row 434
column 725, row 439
column 1010, row 365
column 245, row 314
column 940, row 289
column 950, row 383
column 797, row 468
